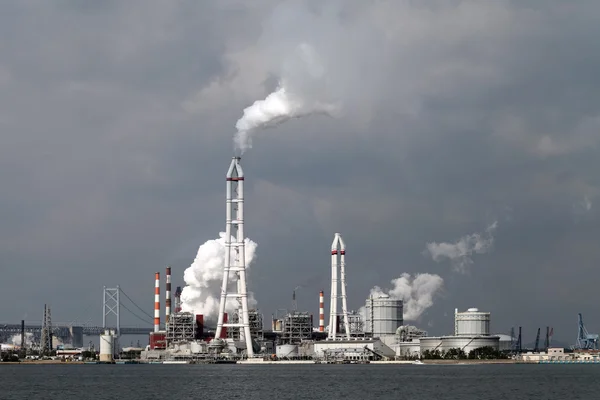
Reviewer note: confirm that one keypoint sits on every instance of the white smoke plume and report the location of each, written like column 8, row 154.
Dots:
column 460, row 252
column 587, row 203
column 317, row 57
column 416, row 293
column 204, row 278
column 16, row 339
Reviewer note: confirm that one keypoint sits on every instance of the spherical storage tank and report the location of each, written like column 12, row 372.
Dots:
column 286, row 351
column 384, row 315
column 107, row 346
column 472, row 323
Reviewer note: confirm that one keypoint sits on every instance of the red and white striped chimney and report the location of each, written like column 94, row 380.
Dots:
column 178, row 299
column 157, row 302
column 168, row 296
column 321, row 311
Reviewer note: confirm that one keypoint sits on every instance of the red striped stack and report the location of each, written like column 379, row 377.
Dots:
column 157, row 302
column 321, row 312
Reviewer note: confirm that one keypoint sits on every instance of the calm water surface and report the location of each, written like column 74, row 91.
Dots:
column 314, row 382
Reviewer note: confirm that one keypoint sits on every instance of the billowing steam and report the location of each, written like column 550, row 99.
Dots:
column 291, row 99
column 16, row 339
column 460, row 252
column 416, row 293
column 204, row 277
column 323, row 59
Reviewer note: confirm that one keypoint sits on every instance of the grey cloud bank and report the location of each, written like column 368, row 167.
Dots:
column 116, row 127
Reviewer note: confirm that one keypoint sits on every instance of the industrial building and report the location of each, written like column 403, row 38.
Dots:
column 377, row 334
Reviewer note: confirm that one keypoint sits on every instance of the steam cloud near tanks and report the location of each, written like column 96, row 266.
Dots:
column 416, row 293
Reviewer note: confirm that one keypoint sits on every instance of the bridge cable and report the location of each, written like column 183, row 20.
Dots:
column 135, row 315
column 139, row 308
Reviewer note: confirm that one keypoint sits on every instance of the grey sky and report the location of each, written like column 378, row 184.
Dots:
column 116, row 126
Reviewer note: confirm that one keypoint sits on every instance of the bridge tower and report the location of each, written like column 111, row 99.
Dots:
column 111, row 305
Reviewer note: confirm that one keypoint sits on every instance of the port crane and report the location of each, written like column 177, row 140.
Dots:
column 536, row 348
column 585, row 340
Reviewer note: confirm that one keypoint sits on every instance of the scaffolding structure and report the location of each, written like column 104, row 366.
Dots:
column 296, row 327
column 181, row 328
column 356, row 324
column 256, row 326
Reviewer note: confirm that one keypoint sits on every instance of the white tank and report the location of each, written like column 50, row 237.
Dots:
column 472, row 323
column 286, row 351
column 107, row 347
column 383, row 315
column 468, row 344
column 465, row 343
column 408, row 349
column 430, row 343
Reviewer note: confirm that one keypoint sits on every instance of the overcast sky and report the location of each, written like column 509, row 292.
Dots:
column 116, row 127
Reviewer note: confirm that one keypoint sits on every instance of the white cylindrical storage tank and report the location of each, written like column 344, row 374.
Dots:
column 468, row 344
column 408, row 349
column 472, row 323
column 506, row 342
column 286, row 351
column 107, row 347
column 430, row 343
column 383, row 315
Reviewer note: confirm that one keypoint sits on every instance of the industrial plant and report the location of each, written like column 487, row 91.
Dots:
column 240, row 334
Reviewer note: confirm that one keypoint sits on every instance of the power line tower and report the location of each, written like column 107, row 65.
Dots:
column 236, row 262
column 111, row 305
column 46, row 338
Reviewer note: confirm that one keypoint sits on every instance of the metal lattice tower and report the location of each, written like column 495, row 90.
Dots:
column 111, row 305
column 338, row 242
column 46, row 337
column 296, row 327
column 235, row 256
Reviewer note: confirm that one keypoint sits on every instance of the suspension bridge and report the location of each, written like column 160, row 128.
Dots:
column 113, row 301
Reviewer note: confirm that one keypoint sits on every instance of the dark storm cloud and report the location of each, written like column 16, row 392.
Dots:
column 117, row 122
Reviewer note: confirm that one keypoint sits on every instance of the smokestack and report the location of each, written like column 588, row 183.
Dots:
column 178, row 299
column 343, row 285
column 157, row 302
column 334, row 319
column 22, row 335
column 333, row 303
column 321, row 311
column 235, row 242
column 168, row 296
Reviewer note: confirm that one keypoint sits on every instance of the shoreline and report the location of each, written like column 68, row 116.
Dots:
column 468, row 362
